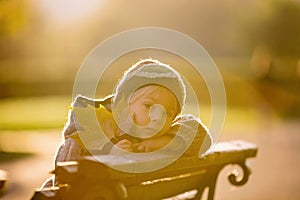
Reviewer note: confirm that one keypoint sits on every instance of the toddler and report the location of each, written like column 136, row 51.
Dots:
column 142, row 115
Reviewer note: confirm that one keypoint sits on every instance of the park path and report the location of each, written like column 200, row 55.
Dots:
column 275, row 169
column 28, row 173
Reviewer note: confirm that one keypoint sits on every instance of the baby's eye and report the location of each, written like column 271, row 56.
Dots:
column 147, row 105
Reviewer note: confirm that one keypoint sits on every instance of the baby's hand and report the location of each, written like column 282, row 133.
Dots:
column 124, row 144
column 144, row 146
column 152, row 144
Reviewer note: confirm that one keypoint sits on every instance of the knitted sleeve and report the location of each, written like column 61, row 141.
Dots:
column 70, row 149
column 193, row 133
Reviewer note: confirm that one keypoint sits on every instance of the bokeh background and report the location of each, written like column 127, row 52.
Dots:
column 255, row 44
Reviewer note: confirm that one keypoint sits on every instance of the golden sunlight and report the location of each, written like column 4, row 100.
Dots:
column 67, row 11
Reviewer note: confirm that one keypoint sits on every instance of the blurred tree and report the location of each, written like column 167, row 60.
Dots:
column 13, row 20
column 279, row 32
column 282, row 31
column 276, row 44
column 12, row 17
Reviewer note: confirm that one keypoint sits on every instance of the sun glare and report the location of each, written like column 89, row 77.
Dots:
column 67, row 11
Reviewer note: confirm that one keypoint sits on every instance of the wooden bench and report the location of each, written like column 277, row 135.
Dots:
column 90, row 179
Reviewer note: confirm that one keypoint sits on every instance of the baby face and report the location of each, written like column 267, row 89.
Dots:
column 144, row 99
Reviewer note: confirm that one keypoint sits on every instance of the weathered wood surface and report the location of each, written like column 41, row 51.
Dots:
column 90, row 179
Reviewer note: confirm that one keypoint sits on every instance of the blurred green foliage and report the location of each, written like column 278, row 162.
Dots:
column 254, row 43
column 11, row 156
column 280, row 29
column 12, row 17
column 47, row 112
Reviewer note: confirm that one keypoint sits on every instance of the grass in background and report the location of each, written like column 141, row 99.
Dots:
column 47, row 112
column 50, row 112
column 11, row 156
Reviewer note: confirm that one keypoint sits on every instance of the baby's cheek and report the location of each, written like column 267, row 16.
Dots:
column 145, row 119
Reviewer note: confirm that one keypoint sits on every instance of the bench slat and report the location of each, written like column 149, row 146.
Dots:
column 186, row 173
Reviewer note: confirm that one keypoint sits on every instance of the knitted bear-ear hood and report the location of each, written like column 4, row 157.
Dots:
column 149, row 71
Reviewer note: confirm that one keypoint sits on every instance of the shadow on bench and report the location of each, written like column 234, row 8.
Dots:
column 89, row 179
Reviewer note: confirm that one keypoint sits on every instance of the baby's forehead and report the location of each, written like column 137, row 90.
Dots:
column 157, row 93
column 154, row 89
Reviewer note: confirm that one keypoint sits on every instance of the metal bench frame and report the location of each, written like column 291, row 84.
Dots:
column 89, row 179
